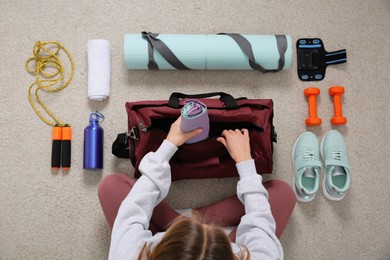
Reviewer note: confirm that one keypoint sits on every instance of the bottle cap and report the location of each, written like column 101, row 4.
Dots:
column 96, row 117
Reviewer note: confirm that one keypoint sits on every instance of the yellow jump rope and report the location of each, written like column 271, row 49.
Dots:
column 49, row 73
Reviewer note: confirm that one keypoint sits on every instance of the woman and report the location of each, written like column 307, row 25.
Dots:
column 142, row 212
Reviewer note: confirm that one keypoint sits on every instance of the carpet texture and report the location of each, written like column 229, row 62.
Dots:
column 56, row 215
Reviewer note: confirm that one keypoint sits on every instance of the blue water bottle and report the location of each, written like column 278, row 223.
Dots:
column 93, row 142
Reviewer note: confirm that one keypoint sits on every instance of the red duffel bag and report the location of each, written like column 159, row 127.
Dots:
column 149, row 123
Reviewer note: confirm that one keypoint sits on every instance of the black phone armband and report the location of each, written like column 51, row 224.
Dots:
column 313, row 59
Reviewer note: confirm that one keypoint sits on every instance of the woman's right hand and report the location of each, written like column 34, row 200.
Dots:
column 237, row 144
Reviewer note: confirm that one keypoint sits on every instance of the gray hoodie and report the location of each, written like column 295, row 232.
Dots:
column 256, row 230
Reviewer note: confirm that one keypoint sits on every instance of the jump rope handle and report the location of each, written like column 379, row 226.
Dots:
column 56, row 147
column 66, row 147
column 61, row 147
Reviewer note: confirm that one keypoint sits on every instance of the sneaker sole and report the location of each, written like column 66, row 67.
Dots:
column 324, row 190
column 299, row 198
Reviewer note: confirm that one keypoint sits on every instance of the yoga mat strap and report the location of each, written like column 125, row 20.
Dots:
column 229, row 101
column 246, row 48
column 281, row 41
column 163, row 49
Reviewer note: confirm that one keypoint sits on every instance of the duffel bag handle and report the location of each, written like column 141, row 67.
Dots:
column 229, row 101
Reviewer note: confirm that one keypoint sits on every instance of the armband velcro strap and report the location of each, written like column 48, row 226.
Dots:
column 313, row 59
column 336, row 57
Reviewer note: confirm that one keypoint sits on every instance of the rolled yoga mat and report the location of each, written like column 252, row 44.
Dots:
column 207, row 52
column 194, row 115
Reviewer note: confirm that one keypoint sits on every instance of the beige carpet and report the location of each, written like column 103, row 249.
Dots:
column 48, row 215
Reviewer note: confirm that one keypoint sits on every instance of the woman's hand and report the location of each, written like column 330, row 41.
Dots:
column 237, row 144
column 177, row 136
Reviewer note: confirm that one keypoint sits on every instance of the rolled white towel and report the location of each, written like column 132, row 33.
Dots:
column 99, row 69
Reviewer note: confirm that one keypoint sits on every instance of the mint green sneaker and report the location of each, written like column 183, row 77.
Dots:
column 337, row 169
column 306, row 166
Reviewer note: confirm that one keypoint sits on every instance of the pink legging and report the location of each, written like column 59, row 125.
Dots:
column 114, row 189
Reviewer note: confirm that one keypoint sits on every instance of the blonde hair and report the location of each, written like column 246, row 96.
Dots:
column 190, row 239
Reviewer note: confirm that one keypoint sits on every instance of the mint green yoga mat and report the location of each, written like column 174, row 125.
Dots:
column 207, row 52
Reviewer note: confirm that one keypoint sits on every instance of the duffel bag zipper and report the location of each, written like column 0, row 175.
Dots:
column 142, row 127
column 145, row 129
column 134, row 132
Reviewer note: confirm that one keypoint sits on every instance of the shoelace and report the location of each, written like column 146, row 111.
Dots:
column 308, row 156
column 337, row 154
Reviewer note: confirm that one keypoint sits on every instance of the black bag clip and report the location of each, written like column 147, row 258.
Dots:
column 120, row 147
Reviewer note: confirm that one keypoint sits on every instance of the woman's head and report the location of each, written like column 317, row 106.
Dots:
column 190, row 239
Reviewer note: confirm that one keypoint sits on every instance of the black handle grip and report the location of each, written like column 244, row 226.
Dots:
column 56, row 154
column 229, row 101
column 66, row 146
column 66, row 154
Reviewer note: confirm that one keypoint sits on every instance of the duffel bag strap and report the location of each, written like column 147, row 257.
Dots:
column 229, row 101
